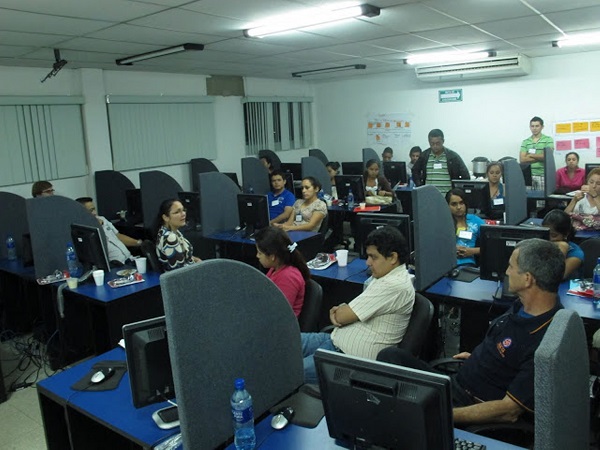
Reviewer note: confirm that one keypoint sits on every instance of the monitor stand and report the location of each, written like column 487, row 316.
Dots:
column 166, row 418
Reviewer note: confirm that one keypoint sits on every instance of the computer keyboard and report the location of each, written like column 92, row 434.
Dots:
column 463, row 444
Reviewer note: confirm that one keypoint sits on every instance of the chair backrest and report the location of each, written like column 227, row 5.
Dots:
column 591, row 253
column 562, row 418
column 311, row 309
column 148, row 249
column 418, row 326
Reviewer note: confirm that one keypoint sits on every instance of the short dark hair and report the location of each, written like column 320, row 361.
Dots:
column 415, row 149
column 436, row 132
column 544, row 260
column 84, row 200
column 334, row 165
column 279, row 172
column 388, row 240
column 560, row 221
column 267, row 159
column 40, row 186
column 314, row 182
column 537, row 119
column 388, row 150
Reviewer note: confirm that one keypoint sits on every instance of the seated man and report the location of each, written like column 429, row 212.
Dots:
column 116, row 242
column 281, row 201
column 379, row 316
column 495, row 383
column 42, row 189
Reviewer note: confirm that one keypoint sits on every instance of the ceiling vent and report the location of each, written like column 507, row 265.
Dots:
column 507, row 66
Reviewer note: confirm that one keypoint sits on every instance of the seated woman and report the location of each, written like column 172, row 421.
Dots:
column 587, row 200
column 333, row 169
column 561, row 231
column 173, row 250
column 287, row 267
column 376, row 184
column 571, row 177
column 466, row 225
column 309, row 211
column 492, row 201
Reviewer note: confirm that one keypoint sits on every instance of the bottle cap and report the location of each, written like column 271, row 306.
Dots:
column 240, row 383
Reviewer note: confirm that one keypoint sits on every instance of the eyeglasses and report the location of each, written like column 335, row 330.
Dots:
column 48, row 191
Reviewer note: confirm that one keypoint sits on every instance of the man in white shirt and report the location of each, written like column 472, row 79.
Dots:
column 378, row 317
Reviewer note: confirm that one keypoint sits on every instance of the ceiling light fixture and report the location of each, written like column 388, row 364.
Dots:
column 158, row 53
column 311, row 17
column 305, row 73
column 448, row 57
column 582, row 39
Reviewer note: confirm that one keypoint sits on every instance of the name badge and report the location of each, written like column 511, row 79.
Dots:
column 298, row 217
column 464, row 234
column 532, row 151
column 498, row 201
column 275, row 203
column 437, row 166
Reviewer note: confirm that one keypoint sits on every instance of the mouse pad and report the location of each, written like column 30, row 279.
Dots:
column 466, row 276
column 86, row 385
column 308, row 410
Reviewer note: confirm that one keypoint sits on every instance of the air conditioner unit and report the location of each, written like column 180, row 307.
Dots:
column 507, row 66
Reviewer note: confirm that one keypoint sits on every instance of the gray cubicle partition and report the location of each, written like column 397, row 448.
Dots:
column 13, row 222
column 515, row 195
column 434, row 236
column 368, row 154
column 218, row 202
column 549, row 172
column 314, row 167
column 227, row 320
column 155, row 187
column 317, row 153
column 110, row 192
column 255, row 176
column 50, row 220
column 198, row 166
column 275, row 161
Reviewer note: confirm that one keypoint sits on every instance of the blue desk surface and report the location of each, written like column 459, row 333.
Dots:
column 354, row 272
column 236, row 236
column 482, row 291
column 112, row 408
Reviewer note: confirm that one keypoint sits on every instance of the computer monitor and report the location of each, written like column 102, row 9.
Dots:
column 353, row 168
column 88, row 246
column 473, row 190
column 134, row 206
column 343, row 184
column 395, row 172
column 148, row 361
column 370, row 404
column 497, row 242
column 253, row 211
column 589, row 168
column 368, row 222
column 527, row 177
column 234, row 177
column 191, row 202
column 294, row 168
column 549, row 172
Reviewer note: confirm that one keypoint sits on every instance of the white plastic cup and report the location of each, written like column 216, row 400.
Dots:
column 362, row 205
column 342, row 257
column 140, row 264
column 98, row 277
column 72, row 282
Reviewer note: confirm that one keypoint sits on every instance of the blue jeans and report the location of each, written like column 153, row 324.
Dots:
column 310, row 343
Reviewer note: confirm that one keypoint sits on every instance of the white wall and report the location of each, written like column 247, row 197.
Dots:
column 492, row 120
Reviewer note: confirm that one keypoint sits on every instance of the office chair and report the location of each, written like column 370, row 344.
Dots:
column 148, row 249
column 418, row 326
column 311, row 309
column 591, row 252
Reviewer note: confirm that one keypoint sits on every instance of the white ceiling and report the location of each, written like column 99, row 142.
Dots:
column 94, row 33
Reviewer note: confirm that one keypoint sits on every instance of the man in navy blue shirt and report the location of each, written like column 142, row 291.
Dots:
column 281, row 201
column 496, row 381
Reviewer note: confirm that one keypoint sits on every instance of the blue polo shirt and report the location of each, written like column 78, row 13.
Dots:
column 277, row 203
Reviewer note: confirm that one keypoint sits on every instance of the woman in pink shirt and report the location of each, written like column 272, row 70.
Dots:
column 287, row 267
column 571, row 177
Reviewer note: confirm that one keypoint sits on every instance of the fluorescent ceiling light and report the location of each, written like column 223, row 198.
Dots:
column 158, row 53
column 582, row 39
column 328, row 70
column 448, row 57
column 311, row 17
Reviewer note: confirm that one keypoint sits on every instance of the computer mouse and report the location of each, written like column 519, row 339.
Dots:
column 282, row 418
column 455, row 272
column 102, row 375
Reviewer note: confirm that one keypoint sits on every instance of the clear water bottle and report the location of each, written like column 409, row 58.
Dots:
column 250, row 190
column 243, row 417
column 11, row 249
column 597, row 282
column 411, row 183
column 72, row 265
column 350, row 199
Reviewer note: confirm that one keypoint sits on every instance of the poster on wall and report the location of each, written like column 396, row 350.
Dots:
column 580, row 135
column 389, row 130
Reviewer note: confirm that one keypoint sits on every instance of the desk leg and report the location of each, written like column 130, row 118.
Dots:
column 56, row 428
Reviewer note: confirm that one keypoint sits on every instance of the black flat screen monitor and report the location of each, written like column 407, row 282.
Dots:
column 473, row 190
column 589, row 168
column 148, row 361
column 370, row 404
column 368, row 222
column 253, row 211
column 294, row 168
column 353, row 168
column 497, row 243
column 234, row 177
column 395, row 172
column 549, row 172
column 343, row 184
column 134, row 206
column 88, row 247
column 526, row 169
column 191, row 202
